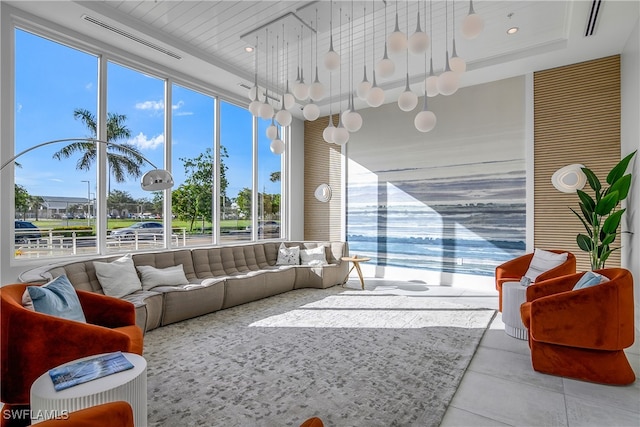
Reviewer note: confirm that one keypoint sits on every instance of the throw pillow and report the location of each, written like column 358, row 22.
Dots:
column 170, row 276
column 313, row 257
column 589, row 279
column 544, row 261
column 57, row 298
column 288, row 256
column 118, row 278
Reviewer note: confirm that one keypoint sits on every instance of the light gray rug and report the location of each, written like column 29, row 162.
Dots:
column 352, row 358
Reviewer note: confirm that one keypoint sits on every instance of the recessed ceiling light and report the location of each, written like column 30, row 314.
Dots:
column 248, row 49
column 512, row 30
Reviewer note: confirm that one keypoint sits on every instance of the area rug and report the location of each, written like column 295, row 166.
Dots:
column 352, row 358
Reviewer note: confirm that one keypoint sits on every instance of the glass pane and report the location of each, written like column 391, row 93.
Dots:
column 135, row 109
column 54, row 190
column 193, row 142
column 236, row 188
column 269, row 183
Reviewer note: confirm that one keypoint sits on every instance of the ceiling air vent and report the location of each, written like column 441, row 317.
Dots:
column 593, row 18
column 130, row 36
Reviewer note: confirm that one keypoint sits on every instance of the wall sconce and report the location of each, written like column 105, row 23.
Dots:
column 323, row 193
column 569, row 179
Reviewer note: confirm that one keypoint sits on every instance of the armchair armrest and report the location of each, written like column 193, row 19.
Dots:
column 587, row 318
column 106, row 311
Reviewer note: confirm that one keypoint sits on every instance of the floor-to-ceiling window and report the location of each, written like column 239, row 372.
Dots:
column 236, row 172
column 269, row 190
column 55, row 88
column 193, row 133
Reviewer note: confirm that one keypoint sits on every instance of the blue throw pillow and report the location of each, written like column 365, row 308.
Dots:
column 57, row 298
column 589, row 279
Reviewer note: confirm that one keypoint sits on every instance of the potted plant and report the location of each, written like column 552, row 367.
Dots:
column 600, row 214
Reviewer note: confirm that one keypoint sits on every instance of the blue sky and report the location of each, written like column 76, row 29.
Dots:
column 53, row 80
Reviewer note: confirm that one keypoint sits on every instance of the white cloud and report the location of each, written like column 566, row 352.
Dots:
column 178, row 105
column 19, row 108
column 89, row 86
column 150, row 105
column 143, row 142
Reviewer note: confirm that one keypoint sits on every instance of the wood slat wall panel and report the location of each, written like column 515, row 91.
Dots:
column 576, row 120
column 322, row 164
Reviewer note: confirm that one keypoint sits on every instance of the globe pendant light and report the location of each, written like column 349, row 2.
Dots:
column 375, row 97
column 288, row 99
column 385, row 67
column 397, row 40
column 272, row 130
column 254, row 106
column 328, row 132
column 311, row 111
column 277, row 146
column 352, row 120
column 419, row 41
column 425, row 120
column 448, row 80
column 473, row 23
column 364, row 86
column 458, row 65
column 340, row 134
column 431, row 82
column 331, row 58
column 300, row 89
column 316, row 90
column 253, row 92
column 283, row 117
column 407, row 100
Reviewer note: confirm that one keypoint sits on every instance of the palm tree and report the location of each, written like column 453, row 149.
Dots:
column 122, row 159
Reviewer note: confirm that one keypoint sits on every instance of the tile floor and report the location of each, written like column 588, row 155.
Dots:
column 500, row 388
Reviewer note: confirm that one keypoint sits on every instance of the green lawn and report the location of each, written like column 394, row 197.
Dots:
column 112, row 224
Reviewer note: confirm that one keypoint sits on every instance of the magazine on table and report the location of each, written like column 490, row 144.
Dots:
column 88, row 370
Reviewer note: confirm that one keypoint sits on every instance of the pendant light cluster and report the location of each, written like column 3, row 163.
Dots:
column 397, row 43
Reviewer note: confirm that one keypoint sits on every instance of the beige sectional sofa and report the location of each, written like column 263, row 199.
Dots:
column 219, row 277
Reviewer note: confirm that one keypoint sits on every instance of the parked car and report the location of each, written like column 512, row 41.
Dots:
column 26, row 231
column 144, row 230
column 267, row 227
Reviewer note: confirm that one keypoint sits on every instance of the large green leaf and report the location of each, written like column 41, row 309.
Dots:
column 584, row 242
column 608, row 202
column 586, row 226
column 619, row 169
column 593, row 180
column 612, row 222
column 609, row 239
column 588, row 202
column 622, row 186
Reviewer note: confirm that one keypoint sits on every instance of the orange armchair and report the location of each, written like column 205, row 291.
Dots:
column 513, row 270
column 32, row 343
column 111, row 414
column 582, row 334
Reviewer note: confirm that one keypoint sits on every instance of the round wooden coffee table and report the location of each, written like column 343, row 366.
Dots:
column 356, row 264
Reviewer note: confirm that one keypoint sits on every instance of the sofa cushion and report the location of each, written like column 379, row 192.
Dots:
column 288, row 256
column 544, row 261
column 57, row 298
column 169, row 276
column 118, row 278
column 314, row 257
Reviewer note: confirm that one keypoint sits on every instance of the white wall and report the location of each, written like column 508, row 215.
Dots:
column 630, row 141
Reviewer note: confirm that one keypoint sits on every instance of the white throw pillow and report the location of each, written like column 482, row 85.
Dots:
column 170, row 276
column 118, row 278
column 288, row 256
column 544, row 261
column 313, row 257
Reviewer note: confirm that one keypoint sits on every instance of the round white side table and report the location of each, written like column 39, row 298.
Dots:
column 129, row 385
column 513, row 296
